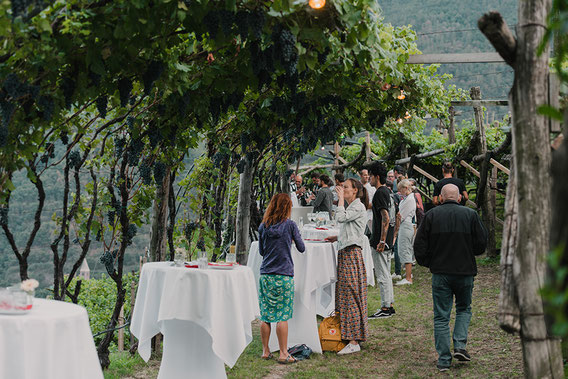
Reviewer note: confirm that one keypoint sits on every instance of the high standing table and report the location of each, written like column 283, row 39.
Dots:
column 52, row 341
column 313, row 270
column 205, row 316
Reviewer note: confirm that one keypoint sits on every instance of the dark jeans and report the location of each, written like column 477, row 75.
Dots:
column 397, row 265
column 444, row 288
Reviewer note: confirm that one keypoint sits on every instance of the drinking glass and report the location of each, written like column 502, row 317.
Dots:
column 179, row 257
column 231, row 256
column 202, row 259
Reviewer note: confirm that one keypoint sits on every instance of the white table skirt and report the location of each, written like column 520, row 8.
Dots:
column 311, row 232
column 204, row 315
column 315, row 271
column 53, row 340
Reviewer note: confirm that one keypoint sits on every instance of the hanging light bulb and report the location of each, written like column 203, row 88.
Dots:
column 323, row 147
column 408, row 116
column 400, row 120
column 316, row 4
column 401, row 96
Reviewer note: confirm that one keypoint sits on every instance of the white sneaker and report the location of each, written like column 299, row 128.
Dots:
column 349, row 349
column 396, row 277
column 402, row 282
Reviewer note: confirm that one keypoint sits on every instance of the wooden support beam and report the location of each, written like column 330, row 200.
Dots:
column 431, row 177
column 455, row 58
column 474, row 171
column 424, row 194
column 419, row 156
column 480, row 103
column 500, row 166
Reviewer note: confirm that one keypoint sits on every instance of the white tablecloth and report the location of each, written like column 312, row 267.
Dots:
column 314, row 271
column 53, row 340
column 204, row 315
column 311, row 232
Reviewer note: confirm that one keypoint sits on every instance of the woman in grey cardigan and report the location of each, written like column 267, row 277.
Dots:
column 351, row 286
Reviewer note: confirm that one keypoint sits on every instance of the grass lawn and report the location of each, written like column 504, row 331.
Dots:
column 401, row 346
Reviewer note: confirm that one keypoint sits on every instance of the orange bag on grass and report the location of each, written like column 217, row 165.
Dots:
column 330, row 334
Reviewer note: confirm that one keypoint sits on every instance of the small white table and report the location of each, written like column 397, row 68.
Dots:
column 53, row 340
column 204, row 315
column 314, row 270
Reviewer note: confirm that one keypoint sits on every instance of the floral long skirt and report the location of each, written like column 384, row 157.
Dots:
column 351, row 294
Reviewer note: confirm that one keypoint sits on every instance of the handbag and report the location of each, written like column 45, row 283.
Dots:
column 330, row 334
column 300, row 352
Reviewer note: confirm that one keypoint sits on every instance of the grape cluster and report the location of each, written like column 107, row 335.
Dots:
column 241, row 166
column 68, row 86
column 130, row 123
column 19, row 7
column 102, row 102
column 211, row 21
column 215, row 104
column 132, row 230
column 220, row 158
column 3, row 215
column 124, row 89
column 242, row 21
column 159, row 172
column 119, row 144
column 49, row 153
column 226, row 18
column 47, row 105
column 153, row 73
column 113, row 211
column 256, row 22
column 3, row 135
column 146, row 172
column 280, row 107
column 189, row 229
column 201, row 244
column 322, row 57
column 245, row 140
column 14, row 87
column 136, row 147
column 107, row 259
column 64, row 137
column 74, row 158
column 7, row 109
column 154, row 135
column 94, row 79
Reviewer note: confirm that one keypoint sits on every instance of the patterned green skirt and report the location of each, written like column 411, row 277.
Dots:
column 276, row 297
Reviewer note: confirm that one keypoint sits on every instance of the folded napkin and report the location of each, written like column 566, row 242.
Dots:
column 322, row 228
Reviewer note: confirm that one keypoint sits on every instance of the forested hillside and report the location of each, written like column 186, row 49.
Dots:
column 445, row 26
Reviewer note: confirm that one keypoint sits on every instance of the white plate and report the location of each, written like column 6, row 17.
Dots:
column 223, row 267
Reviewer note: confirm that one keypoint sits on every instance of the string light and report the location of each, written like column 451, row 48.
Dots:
column 401, row 96
column 400, row 120
column 408, row 116
column 316, row 4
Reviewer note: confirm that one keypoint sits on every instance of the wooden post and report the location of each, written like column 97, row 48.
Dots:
column 121, row 331
column 493, row 200
column 368, row 148
column 452, row 127
column 336, row 154
column 132, row 302
column 542, row 354
column 243, row 212
column 158, row 237
column 483, row 190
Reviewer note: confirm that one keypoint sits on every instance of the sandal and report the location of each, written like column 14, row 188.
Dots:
column 289, row 360
column 268, row 357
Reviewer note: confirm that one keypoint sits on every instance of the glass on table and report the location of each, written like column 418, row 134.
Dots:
column 231, row 256
column 179, row 257
column 202, row 259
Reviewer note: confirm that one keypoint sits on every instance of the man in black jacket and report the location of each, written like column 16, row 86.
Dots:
column 447, row 242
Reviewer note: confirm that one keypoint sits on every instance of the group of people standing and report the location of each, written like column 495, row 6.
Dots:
column 384, row 208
